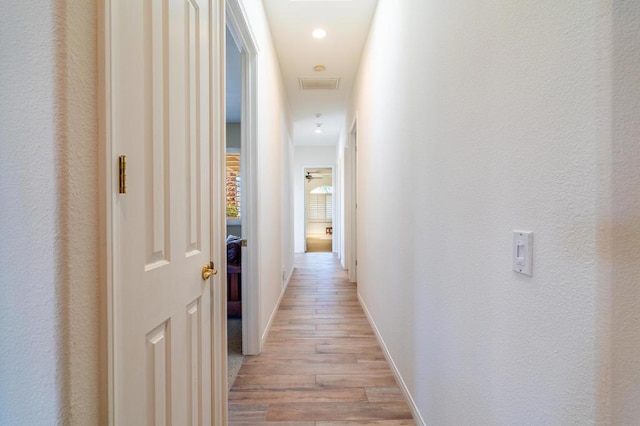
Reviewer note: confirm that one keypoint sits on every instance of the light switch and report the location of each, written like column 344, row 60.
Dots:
column 523, row 252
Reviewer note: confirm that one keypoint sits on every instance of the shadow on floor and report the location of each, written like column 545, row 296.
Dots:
column 234, row 349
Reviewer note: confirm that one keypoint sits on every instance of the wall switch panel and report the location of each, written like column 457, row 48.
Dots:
column 523, row 252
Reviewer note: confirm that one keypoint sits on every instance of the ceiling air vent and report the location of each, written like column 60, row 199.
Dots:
column 319, row 83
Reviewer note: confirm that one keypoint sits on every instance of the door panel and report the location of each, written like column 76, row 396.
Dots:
column 158, row 373
column 160, row 121
column 194, row 360
column 193, row 119
column 156, row 127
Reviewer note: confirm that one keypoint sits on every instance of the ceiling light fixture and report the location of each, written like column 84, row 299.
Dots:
column 318, row 129
column 319, row 68
column 319, row 33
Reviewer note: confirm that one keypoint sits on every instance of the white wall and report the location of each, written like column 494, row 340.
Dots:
column 497, row 116
column 29, row 302
column 273, row 152
column 303, row 157
column 233, row 135
column 49, row 275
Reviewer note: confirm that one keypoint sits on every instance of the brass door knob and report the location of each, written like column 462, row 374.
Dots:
column 208, row 271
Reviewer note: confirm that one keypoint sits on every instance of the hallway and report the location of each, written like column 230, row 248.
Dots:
column 321, row 364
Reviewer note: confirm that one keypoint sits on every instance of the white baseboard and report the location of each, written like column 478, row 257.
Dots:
column 403, row 386
column 275, row 309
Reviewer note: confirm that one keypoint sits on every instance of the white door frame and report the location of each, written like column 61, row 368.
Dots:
column 351, row 198
column 108, row 185
column 239, row 28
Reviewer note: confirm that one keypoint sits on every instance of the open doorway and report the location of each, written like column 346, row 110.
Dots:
column 318, row 209
column 351, row 206
column 242, row 258
column 234, row 206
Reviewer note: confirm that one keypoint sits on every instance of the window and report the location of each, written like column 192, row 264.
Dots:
column 321, row 204
column 233, row 186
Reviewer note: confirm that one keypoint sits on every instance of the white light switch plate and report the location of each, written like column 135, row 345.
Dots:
column 523, row 252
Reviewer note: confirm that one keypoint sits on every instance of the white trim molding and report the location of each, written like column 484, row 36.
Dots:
column 106, row 185
column 275, row 309
column 403, row 386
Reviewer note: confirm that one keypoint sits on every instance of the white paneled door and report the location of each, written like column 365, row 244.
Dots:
column 160, row 119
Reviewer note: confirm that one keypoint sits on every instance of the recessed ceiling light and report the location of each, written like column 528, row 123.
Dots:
column 319, row 68
column 318, row 129
column 319, row 33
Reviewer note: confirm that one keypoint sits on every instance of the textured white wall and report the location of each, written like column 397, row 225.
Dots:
column 273, row 151
column 306, row 156
column 29, row 274
column 49, row 294
column 83, row 296
column 494, row 118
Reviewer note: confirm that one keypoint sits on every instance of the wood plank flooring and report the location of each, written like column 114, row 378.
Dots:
column 321, row 364
column 320, row 243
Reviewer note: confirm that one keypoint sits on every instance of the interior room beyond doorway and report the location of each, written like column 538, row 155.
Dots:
column 318, row 209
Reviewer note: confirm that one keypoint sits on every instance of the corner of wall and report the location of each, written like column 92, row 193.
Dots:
column 396, row 372
column 81, row 295
column 273, row 313
column 625, row 212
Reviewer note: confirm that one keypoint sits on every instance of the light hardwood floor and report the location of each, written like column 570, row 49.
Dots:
column 321, row 365
column 319, row 243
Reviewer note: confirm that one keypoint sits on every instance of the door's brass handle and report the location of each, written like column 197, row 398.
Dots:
column 208, row 271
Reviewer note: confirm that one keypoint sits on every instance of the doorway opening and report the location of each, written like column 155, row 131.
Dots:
column 351, row 207
column 234, row 206
column 318, row 209
column 243, row 294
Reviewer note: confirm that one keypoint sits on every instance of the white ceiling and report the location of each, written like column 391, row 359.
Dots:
column 347, row 25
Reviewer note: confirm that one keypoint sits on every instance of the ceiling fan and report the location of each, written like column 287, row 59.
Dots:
column 309, row 177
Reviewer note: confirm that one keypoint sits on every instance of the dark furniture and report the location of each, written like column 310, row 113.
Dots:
column 234, row 291
column 234, row 276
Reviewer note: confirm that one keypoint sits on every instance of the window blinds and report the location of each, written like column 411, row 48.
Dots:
column 320, row 207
